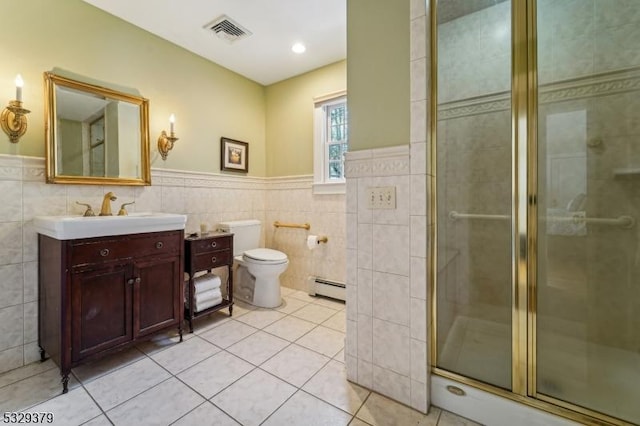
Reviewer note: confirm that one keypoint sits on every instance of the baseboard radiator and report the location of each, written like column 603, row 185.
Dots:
column 322, row 287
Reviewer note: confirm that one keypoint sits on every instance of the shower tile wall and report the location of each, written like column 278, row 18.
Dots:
column 387, row 310
column 204, row 198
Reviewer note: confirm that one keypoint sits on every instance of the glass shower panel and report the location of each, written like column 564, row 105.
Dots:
column 474, row 161
column 588, row 287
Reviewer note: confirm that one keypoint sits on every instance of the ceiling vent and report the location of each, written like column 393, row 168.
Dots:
column 227, row 29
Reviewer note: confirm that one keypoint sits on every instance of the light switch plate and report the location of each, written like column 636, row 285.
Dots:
column 381, row 197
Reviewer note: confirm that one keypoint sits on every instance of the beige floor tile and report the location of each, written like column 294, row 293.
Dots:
column 331, row 385
column 314, row 313
column 286, row 291
column 241, row 308
column 357, row 422
column 301, row 295
column 180, row 357
column 258, row 347
column 303, row 408
column 260, row 318
column 92, row 370
column 205, row 414
column 337, row 322
column 381, row 411
column 162, row 404
column 28, row 370
column 203, row 324
column 214, row 374
column 338, row 305
column 163, row 341
column 72, row 408
column 253, row 398
column 290, row 328
column 33, row 390
column 324, row 340
column 290, row 304
column 98, row 421
column 450, row 419
column 228, row 333
column 339, row 356
column 295, row 364
column 125, row 383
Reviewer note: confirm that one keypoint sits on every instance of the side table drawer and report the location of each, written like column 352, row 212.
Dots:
column 212, row 260
column 211, row 244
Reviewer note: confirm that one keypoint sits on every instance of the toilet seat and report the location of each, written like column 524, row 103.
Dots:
column 264, row 256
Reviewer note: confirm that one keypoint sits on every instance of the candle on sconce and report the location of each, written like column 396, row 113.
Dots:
column 172, row 122
column 19, row 84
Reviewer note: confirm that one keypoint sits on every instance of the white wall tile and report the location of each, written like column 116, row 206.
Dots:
column 419, row 319
column 391, row 252
column 419, row 360
column 11, row 285
column 11, row 323
column 418, row 129
column 419, row 236
column 365, row 374
column 11, row 237
column 365, row 338
column 418, row 39
column 30, row 322
column 10, row 359
column 11, row 206
column 391, row 346
column 352, row 338
column 419, row 278
column 391, row 298
column 391, row 384
column 365, row 292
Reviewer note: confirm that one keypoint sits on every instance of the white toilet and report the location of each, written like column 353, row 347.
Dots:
column 257, row 279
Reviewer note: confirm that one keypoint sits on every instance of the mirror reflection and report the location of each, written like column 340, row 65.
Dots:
column 96, row 135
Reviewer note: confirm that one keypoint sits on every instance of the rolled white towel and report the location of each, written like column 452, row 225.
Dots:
column 201, row 306
column 195, row 275
column 207, row 282
column 207, row 295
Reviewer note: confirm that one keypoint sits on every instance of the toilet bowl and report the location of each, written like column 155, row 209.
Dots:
column 258, row 276
column 258, row 270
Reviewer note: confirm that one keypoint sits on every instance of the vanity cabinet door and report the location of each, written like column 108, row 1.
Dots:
column 157, row 294
column 101, row 309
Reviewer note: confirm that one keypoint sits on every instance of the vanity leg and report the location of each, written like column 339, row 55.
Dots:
column 180, row 331
column 230, row 310
column 42, row 355
column 65, row 383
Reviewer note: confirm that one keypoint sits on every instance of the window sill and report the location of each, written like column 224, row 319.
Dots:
column 329, row 188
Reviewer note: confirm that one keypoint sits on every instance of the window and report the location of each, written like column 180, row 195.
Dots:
column 331, row 142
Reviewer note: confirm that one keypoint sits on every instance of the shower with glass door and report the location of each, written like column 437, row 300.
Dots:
column 536, row 154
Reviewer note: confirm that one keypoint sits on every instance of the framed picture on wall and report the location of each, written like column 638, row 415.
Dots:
column 234, row 155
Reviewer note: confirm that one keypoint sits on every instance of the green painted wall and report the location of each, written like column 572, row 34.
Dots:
column 290, row 118
column 378, row 73
column 209, row 101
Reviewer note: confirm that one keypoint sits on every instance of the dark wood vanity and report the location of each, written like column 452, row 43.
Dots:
column 204, row 253
column 99, row 295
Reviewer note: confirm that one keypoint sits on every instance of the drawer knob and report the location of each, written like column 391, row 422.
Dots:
column 104, row 252
column 214, row 244
column 213, row 259
column 138, row 280
column 159, row 244
column 130, row 281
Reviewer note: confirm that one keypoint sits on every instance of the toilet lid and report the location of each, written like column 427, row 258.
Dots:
column 265, row 254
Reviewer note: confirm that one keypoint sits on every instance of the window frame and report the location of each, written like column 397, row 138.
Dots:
column 322, row 184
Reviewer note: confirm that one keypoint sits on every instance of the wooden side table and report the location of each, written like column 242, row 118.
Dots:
column 203, row 253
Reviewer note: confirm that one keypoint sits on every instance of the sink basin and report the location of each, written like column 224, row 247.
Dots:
column 72, row 227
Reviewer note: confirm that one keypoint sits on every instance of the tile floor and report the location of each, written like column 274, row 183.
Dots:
column 279, row 366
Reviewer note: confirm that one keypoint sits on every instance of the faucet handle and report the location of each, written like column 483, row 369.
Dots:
column 123, row 210
column 89, row 211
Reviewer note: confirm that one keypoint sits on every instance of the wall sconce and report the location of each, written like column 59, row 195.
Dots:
column 14, row 118
column 165, row 143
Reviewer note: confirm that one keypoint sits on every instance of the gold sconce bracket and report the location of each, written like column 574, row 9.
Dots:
column 14, row 120
column 165, row 143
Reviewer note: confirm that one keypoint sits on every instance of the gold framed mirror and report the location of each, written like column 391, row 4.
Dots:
column 95, row 135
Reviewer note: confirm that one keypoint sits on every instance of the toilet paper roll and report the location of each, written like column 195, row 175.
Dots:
column 312, row 242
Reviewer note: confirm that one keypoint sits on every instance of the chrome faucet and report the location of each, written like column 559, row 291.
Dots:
column 106, row 204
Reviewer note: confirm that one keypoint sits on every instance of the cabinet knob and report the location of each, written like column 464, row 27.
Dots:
column 214, row 244
column 159, row 244
column 104, row 252
column 130, row 281
column 138, row 280
column 213, row 259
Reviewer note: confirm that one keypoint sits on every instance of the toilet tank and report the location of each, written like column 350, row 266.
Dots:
column 246, row 234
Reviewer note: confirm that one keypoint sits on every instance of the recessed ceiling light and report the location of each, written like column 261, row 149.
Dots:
column 298, row 48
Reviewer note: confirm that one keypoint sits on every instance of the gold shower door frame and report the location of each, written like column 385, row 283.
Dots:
column 524, row 115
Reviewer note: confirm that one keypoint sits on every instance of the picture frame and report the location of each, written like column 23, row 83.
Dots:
column 234, row 155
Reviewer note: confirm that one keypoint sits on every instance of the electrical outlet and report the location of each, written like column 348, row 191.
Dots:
column 382, row 197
